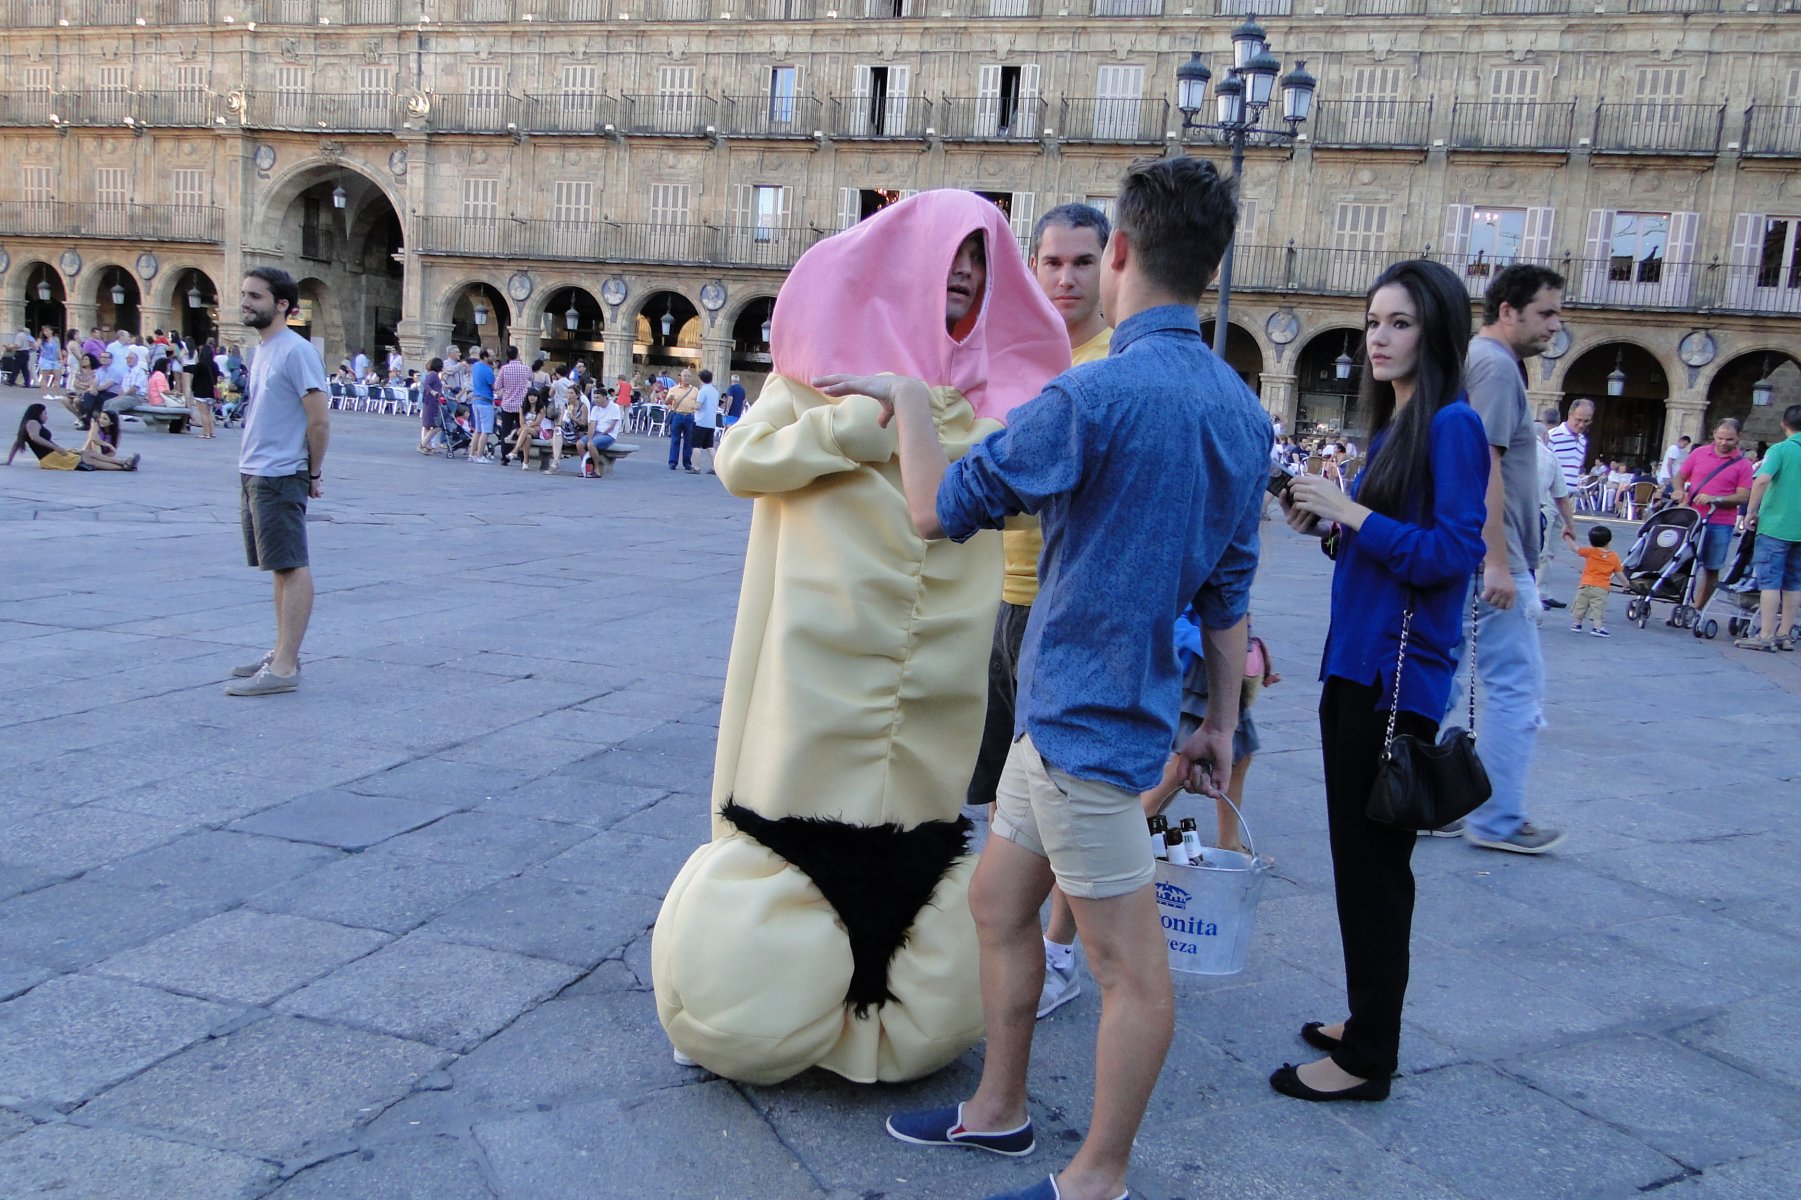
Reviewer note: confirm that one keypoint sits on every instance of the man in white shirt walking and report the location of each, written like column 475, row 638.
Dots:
column 706, row 418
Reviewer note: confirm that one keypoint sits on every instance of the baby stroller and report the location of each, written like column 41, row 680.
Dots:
column 455, row 436
column 1737, row 596
column 1661, row 566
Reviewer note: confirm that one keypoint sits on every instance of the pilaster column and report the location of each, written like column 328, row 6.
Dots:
column 12, row 315
column 528, row 340
column 81, row 316
column 1277, row 391
column 716, row 356
column 617, row 356
column 428, row 340
column 1540, row 398
column 1685, row 414
column 151, row 317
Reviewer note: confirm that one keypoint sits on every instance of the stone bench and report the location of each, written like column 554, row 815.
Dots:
column 609, row 457
column 174, row 419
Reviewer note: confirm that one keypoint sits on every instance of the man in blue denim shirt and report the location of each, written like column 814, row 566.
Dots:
column 1149, row 493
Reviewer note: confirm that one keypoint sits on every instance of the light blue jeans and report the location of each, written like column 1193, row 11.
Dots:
column 1511, row 684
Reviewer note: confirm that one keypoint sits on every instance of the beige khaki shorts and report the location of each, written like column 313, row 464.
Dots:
column 1093, row 833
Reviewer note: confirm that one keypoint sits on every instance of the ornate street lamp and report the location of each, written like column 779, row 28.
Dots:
column 1764, row 390
column 571, row 318
column 1240, row 102
column 1341, row 366
column 43, row 289
column 195, row 299
column 118, row 293
column 1616, row 379
column 481, row 313
column 339, row 197
column 668, row 321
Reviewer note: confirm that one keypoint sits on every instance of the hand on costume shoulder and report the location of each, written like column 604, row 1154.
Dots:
column 886, row 390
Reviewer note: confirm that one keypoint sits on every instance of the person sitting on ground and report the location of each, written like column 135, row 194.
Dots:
column 103, row 434
column 1600, row 567
column 34, row 435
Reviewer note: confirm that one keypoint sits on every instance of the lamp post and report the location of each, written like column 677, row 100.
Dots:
column 43, row 290
column 1240, row 102
column 339, row 197
column 1341, row 366
column 1616, row 378
column 571, row 318
column 1764, row 390
column 481, row 313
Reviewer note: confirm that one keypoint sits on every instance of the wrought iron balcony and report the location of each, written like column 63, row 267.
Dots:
column 577, row 11
column 1253, row 8
column 1111, row 119
column 1385, row 8
column 27, row 108
column 1525, row 8
column 892, row 117
column 671, row 10
column 34, row 14
column 380, row 12
column 669, row 114
column 1773, row 130
column 478, row 112
column 1524, row 125
column 1308, row 270
column 184, row 109
column 1674, row 6
column 122, row 222
column 1128, row 8
column 570, row 112
column 610, row 241
column 768, row 116
column 341, row 112
column 1651, row 128
column 989, row 118
column 1371, row 123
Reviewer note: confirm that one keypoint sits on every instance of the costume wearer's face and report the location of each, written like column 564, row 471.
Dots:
column 1392, row 334
column 968, row 280
column 1068, row 268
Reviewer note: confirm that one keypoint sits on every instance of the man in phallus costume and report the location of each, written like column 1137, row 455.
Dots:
column 827, row 923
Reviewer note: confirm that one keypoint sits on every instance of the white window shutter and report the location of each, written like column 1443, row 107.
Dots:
column 1593, row 288
column 850, row 205
column 1024, row 216
column 1028, row 82
column 1537, row 242
column 897, row 100
column 1457, row 234
column 905, row 192
column 859, row 101
column 744, row 205
column 988, row 99
column 1747, row 256
column 784, row 205
column 1679, row 258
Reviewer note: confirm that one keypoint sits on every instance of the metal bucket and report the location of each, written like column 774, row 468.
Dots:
column 1207, row 910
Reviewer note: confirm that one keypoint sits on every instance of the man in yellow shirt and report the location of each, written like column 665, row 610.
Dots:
column 1066, row 260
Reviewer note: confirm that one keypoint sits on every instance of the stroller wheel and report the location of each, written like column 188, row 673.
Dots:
column 1698, row 631
column 1736, row 626
column 1712, row 629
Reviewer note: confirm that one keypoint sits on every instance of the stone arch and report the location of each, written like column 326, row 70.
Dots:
column 531, row 313
column 1321, row 398
column 1245, row 353
column 98, row 279
column 170, row 295
column 741, row 302
column 453, row 292
column 1728, row 393
column 642, row 289
column 26, row 275
column 87, row 284
column 165, row 291
column 281, row 192
column 1629, row 426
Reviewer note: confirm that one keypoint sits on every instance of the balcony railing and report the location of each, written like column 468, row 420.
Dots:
column 1525, row 8
column 1674, row 6
column 1649, row 128
column 128, row 222
column 34, row 14
column 342, row 112
column 1128, row 8
column 27, row 108
column 1385, row 8
column 673, row 114
column 609, row 241
column 890, row 117
column 1311, row 270
column 672, row 10
column 567, row 11
column 1112, row 119
column 1253, row 8
column 769, row 116
column 380, row 12
column 989, row 118
column 570, row 112
column 477, row 112
column 1371, row 123
column 183, row 109
column 1529, row 125
column 1774, row 130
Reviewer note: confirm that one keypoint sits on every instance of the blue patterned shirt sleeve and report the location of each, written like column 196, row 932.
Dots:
column 1037, row 456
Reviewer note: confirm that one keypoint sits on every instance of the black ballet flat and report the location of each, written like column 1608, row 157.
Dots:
column 1310, row 1033
column 1288, row 1081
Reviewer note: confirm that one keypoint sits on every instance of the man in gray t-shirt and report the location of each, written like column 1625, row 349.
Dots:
column 281, row 461
column 1521, row 312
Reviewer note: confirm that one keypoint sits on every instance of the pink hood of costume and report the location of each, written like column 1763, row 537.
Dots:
column 871, row 300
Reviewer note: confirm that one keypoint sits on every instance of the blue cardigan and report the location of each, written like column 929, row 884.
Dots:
column 1389, row 562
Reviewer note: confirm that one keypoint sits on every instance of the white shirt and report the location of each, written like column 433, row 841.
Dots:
column 137, row 379
column 1571, row 449
column 1672, row 458
column 706, row 416
column 607, row 418
column 117, row 349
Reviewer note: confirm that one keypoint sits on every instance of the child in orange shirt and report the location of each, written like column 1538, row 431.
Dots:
column 1599, row 568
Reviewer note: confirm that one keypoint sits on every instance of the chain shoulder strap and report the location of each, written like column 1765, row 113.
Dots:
column 1394, row 706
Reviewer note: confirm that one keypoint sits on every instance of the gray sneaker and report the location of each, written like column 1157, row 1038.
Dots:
column 249, row 669
column 1527, row 839
column 1454, row 829
column 1060, row 987
column 264, row 683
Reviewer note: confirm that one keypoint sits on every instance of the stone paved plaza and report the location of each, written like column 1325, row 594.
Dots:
column 388, row 937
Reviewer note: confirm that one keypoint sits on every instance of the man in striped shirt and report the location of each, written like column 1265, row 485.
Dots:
column 1569, row 442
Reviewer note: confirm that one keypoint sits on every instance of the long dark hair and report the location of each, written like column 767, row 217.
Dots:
column 1398, row 478
column 33, row 412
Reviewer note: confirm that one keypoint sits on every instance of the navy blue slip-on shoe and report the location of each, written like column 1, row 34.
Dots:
column 1044, row 1189
column 944, row 1127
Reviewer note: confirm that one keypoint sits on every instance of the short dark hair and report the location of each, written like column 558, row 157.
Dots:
column 706, row 376
column 1686, row 438
column 1599, row 535
column 1180, row 214
column 436, row 364
column 1072, row 216
column 1514, row 286
column 512, row 353
column 1791, row 417
column 1733, row 423
column 281, row 284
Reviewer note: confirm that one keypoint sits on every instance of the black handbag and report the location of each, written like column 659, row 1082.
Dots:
column 1427, row 785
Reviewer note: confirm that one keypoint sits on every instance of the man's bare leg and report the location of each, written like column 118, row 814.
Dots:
column 1128, row 958
column 1008, row 888
column 1062, row 926
column 293, row 609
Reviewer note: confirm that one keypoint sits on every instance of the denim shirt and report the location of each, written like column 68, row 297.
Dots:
column 1146, row 469
column 1391, row 563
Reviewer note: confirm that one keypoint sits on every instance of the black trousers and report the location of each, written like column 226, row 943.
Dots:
column 1372, row 873
column 506, row 428
column 1003, row 686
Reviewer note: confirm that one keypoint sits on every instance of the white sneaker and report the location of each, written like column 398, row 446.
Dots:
column 682, row 1060
column 1060, row 987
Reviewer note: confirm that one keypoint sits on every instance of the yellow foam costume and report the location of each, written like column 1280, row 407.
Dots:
column 827, row 923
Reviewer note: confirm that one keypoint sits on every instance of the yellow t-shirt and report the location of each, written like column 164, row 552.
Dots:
column 1022, row 541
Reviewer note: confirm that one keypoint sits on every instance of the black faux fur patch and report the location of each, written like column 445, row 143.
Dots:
column 877, row 877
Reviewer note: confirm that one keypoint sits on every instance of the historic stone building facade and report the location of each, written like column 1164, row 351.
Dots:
column 628, row 180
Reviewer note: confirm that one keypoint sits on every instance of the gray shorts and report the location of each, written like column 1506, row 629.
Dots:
column 272, row 510
column 1091, row 832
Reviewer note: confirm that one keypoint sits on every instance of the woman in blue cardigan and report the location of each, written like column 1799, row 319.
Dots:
column 1407, row 534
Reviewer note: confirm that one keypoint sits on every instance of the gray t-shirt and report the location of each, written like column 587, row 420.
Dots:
column 286, row 367
column 1497, row 391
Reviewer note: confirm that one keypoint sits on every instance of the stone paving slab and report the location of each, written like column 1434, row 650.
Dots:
column 549, row 917
column 69, row 925
column 104, row 1164
column 344, row 820
column 391, row 892
column 488, row 840
column 242, row 956
column 420, row 1168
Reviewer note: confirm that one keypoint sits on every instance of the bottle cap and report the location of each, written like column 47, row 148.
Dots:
column 1172, row 838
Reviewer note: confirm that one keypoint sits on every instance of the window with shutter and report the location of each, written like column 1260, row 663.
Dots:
column 1514, row 94
column 1022, row 216
column 577, row 87
column 1376, row 93
column 481, row 200
column 190, row 81
column 669, row 230
column 109, row 187
column 112, row 80
column 486, row 86
column 1360, row 227
column 188, row 187
column 1774, row 257
column 895, row 117
column 1246, row 229
column 373, row 87
column 1636, row 246
column 1119, row 101
column 677, row 105
column 37, row 79
column 572, row 201
column 1104, row 203
column 1657, row 94
column 783, row 82
column 36, row 184
column 290, row 87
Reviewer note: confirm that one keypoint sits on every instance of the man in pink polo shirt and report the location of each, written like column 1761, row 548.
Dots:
column 1716, row 479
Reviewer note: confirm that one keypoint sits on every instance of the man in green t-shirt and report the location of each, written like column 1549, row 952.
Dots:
column 1774, row 512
